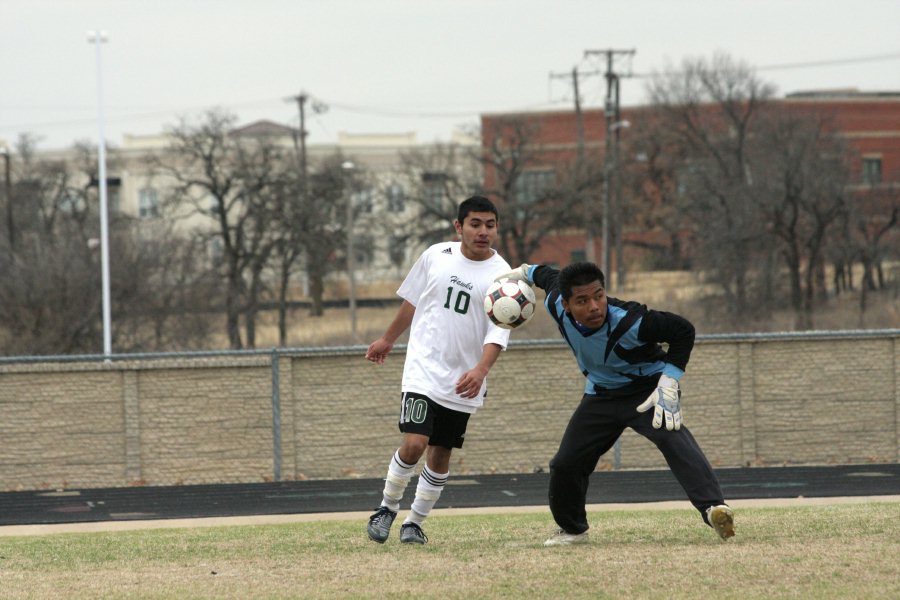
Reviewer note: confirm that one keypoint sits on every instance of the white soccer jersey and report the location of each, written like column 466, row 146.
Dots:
column 449, row 328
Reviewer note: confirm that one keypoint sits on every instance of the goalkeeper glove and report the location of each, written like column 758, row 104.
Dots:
column 666, row 400
column 520, row 273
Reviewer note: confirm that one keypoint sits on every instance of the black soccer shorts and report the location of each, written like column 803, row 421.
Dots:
column 422, row 415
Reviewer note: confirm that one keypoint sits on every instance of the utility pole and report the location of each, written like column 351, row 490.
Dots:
column 317, row 107
column 300, row 152
column 617, row 203
column 610, row 111
column 7, row 184
column 301, row 106
column 579, row 168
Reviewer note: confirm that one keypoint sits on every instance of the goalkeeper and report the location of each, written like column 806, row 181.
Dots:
column 631, row 382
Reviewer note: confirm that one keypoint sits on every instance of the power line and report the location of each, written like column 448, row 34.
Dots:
column 154, row 114
column 811, row 64
column 832, row 62
column 360, row 109
column 382, row 112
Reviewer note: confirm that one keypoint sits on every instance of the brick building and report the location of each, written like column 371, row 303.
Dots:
column 869, row 122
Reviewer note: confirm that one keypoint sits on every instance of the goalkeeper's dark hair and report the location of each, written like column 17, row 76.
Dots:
column 475, row 204
column 580, row 273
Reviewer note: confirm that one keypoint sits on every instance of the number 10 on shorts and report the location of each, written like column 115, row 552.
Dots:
column 413, row 409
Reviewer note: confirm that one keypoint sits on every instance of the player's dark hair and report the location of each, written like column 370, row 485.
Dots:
column 580, row 273
column 475, row 204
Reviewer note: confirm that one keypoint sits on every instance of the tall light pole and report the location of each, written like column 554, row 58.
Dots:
column 98, row 38
column 351, row 259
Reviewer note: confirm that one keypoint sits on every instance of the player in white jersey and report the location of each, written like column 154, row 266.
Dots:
column 452, row 346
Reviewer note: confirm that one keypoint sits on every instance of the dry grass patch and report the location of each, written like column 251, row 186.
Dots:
column 676, row 292
column 838, row 551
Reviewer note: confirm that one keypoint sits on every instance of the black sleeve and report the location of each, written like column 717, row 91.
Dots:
column 546, row 278
column 676, row 331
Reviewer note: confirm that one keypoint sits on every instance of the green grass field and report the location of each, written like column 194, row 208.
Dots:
column 831, row 551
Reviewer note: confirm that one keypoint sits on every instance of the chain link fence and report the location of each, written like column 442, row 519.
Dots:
column 319, row 413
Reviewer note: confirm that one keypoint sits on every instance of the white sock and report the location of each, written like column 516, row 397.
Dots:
column 398, row 476
column 428, row 490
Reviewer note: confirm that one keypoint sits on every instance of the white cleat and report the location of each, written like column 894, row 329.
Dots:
column 561, row 538
column 722, row 520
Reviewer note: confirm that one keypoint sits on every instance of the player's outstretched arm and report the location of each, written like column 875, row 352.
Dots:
column 540, row 275
column 380, row 348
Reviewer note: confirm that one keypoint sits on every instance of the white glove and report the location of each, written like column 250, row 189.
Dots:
column 520, row 273
column 666, row 399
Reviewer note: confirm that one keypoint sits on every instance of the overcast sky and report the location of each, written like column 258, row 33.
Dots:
column 388, row 66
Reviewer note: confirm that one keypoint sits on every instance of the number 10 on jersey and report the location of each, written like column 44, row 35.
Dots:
column 462, row 300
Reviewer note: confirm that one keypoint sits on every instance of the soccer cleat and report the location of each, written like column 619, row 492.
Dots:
column 410, row 533
column 721, row 518
column 561, row 538
column 380, row 524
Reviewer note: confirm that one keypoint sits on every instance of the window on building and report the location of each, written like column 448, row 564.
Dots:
column 213, row 204
column 113, row 189
column 396, row 197
column 397, row 250
column 364, row 201
column 71, row 201
column 114, row 199
column 579, row 255
column 215, row 251
column 433, row 184
column 871, row 171
column 148, row 203
column 363, row 250
column 531, row 187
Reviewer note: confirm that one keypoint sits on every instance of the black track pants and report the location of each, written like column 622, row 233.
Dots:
column 593, row 429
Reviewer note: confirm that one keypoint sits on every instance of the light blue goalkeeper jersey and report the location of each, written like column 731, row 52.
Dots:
column 625, row 352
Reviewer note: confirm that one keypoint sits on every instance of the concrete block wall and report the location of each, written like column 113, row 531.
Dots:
column 170, row 420
column 159, row 422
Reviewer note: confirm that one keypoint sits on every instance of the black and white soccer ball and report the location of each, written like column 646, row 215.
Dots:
column 510, row 303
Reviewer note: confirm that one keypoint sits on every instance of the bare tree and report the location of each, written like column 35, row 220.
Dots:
column 164, row 289
column 325, row 224
column 651, row 175
column 50, row 293
column 436, row 179
column 872, row 231
column 754, row 182
column 50, row 296
column 227, row 179
column 878, row 234
column 709, row 108
column 289, row 232
column 534, row 201
column 799, row 162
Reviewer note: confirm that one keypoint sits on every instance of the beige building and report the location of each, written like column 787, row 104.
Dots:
column 389, row 187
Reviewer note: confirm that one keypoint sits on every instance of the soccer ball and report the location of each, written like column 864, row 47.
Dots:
column 509, row 304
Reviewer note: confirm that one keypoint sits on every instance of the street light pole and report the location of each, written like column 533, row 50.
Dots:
column 351, row 258
column 98, row 38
